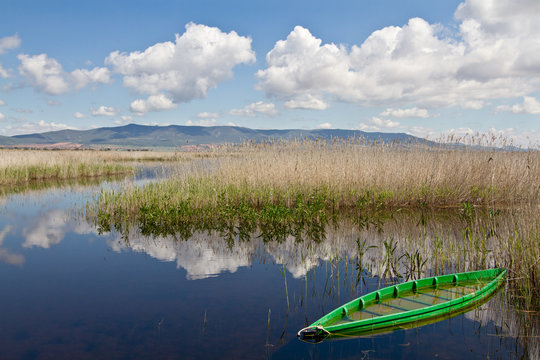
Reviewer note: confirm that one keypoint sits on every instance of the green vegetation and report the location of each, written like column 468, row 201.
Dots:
column 24, row 167
column 33, row 173
column 298, row 189
column 35, row 186
column 291, row 184
column 20, row 167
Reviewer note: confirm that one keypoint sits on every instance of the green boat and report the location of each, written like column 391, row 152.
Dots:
column 405, row 304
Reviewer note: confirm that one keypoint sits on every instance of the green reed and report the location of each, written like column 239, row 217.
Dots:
column 19, row 167
column 16, row 175
column 301, row 190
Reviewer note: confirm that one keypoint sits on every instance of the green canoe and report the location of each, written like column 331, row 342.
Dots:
column 400, row 305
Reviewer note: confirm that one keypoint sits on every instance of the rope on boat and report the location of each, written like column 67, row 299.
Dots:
column 318, row 327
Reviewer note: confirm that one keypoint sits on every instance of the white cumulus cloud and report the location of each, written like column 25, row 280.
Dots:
column 325, row 125
column 202, row 122
column 153, row 103
column 493, row 137
column 529, row 106
column 104, row 111
column 494, row 54
column 207, row 115
column 384, row 123
column 524, row 138
column 9, row 43
column 254, row 109
column 405, row 113
column 47, row 75
column 306, row 102
column 79, row 115
column 3, row 72
column 2, row 116
column 378, row 124
column 83, row 77
column 187, row 68
column 31, row 128
column 208, row 122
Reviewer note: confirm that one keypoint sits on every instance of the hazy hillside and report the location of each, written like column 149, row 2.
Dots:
column 5, row 140
column 133, row 135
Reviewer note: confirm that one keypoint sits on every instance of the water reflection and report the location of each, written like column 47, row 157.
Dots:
column 201, row 256
column 6, row 255
column 44, row 186
column 509, row 324
column 49, row 230
column 397, row 249
column 352, row 257
column 73, row 292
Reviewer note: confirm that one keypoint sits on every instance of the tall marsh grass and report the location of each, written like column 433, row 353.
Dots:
column 391, row 174
column 346, row 175
column 298, row 188
column 23, row 166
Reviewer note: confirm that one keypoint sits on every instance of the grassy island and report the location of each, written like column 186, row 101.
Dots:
column 281, row 189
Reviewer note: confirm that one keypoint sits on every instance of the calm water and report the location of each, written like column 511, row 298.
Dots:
column 69, row 292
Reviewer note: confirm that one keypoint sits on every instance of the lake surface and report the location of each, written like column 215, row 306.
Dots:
column 68, row 291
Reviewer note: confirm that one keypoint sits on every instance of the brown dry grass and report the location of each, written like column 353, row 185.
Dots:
column 22, row 166
column 272, row 185
column 404, row 175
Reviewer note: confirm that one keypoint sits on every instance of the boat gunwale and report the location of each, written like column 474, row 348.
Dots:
column 394, row 319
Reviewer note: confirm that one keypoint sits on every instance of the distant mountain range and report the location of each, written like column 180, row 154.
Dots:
column 133, row 135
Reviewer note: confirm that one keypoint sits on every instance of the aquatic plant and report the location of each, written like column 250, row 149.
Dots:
column 300, row 189
column 19, row 167
column 350, row 175
column 415, row 263
column 390, row 259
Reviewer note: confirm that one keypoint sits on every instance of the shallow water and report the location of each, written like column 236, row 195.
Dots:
column 70, row 292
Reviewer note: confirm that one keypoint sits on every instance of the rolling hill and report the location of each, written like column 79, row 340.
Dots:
column 134, row 135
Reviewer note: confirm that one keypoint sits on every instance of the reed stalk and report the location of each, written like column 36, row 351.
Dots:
column 19, row 167
column 300, row 188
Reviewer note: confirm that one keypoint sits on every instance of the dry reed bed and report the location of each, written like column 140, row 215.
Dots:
column 294, row 188
column 346, row 175
column 22, row 166
column 401, row 176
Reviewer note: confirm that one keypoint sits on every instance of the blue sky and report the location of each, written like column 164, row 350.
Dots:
column 422, row 67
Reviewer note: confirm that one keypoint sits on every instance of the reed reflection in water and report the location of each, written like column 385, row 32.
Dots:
column 76, row 293
column 351, row 254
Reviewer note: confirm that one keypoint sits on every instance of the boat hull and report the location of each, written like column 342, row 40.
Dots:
column 415, row 301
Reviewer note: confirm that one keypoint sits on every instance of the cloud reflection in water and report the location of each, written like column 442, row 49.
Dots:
column 7, row 256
